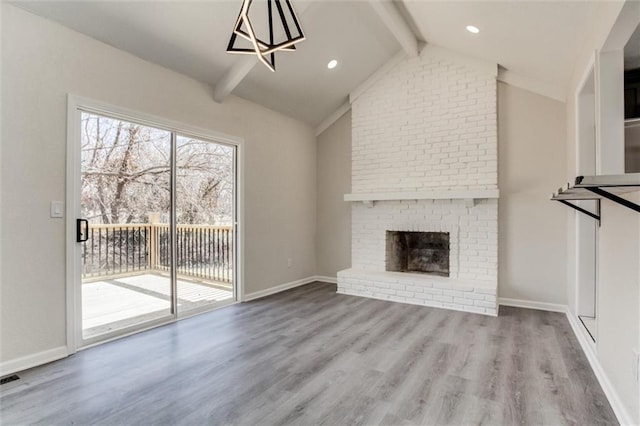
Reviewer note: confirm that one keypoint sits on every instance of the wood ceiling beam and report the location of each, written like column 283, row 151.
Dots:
column 233, row 77
column 245, row 63
column 333, row 117
column 391, row 17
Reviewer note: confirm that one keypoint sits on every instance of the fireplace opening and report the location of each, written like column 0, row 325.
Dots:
column 423, row 252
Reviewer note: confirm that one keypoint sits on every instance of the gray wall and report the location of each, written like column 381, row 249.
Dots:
column 632, row 148
column 618, row 313
column 532, row 229
column 41, row 63
column 333, row 248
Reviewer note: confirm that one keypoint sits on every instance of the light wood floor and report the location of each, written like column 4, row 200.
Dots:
column 311, row 356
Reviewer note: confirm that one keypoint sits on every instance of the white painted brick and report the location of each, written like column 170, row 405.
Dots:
column 405, row 293
column 429, row 123
column 397, row 299
column 463, row 301
column 476, row 309
column 485, row 304
column 415, row 288
column 423, row 296
column 382, row 285
column 433, row 304
column 475, row 296
column 442, row 286
column 446, row 299
column 409, row 112
column 433, row 291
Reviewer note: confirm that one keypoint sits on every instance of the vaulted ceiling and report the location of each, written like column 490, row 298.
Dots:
column 538, row 40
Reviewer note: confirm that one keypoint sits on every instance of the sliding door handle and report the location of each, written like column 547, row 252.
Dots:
column 82, row 232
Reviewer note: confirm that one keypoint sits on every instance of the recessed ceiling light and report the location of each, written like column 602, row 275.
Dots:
column 332, row 64
column 473, row 29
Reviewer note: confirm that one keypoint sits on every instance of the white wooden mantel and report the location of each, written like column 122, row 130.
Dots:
column 469, row 195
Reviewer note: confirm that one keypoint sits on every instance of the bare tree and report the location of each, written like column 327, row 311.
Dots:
column 126, row 174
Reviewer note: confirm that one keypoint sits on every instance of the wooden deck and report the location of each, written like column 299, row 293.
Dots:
column 116, row 303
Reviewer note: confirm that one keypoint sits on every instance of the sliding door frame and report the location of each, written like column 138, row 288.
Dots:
column 76, row 105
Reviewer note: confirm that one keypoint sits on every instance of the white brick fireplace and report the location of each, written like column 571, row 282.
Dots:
column 424, row 159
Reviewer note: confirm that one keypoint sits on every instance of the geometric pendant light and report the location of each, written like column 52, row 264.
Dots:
column 265, row 50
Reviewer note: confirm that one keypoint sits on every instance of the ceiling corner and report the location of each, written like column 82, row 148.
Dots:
column 550, row 90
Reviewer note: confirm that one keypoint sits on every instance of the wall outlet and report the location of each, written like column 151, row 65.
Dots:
column 289, row 262
column 636, row 366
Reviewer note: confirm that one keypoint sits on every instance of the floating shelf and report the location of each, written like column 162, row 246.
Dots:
column 437, row 194
column 597, row 188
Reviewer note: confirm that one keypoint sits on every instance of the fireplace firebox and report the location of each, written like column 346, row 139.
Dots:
column 419, row 252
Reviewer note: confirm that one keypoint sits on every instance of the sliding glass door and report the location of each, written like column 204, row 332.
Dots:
column 155, row 236
column 205, row 206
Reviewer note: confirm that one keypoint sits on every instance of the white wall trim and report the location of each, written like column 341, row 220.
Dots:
column 72, row 189
column 624, row 26
column 553, row 91
column 325, row 279
column 277, row 289
column 588, row 348
column 435, row 194
column 609, row 86
column 530, row 304
column 589, row 74
column 240, row 221
column 335, row 116
column 586, row 75
column 33, row 360
column 76, row 104
column 373, row 78
column 139, row 117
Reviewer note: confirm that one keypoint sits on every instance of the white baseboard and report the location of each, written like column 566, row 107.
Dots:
column 33, row 360
column 541, row 306
column 277, row 289
column 589, row 350
column 325, row 279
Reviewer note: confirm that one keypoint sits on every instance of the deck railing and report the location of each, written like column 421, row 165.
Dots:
column 202, row 251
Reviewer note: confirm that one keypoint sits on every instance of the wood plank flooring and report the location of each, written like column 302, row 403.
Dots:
column 311, row 356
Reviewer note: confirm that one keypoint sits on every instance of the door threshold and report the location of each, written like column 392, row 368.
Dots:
column 158, row 323
column 203, row 310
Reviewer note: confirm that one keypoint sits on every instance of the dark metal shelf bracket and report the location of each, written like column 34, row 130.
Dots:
column 581, row 210
column 606, row 194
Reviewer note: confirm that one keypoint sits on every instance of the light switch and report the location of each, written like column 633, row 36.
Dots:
column 57, row 209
